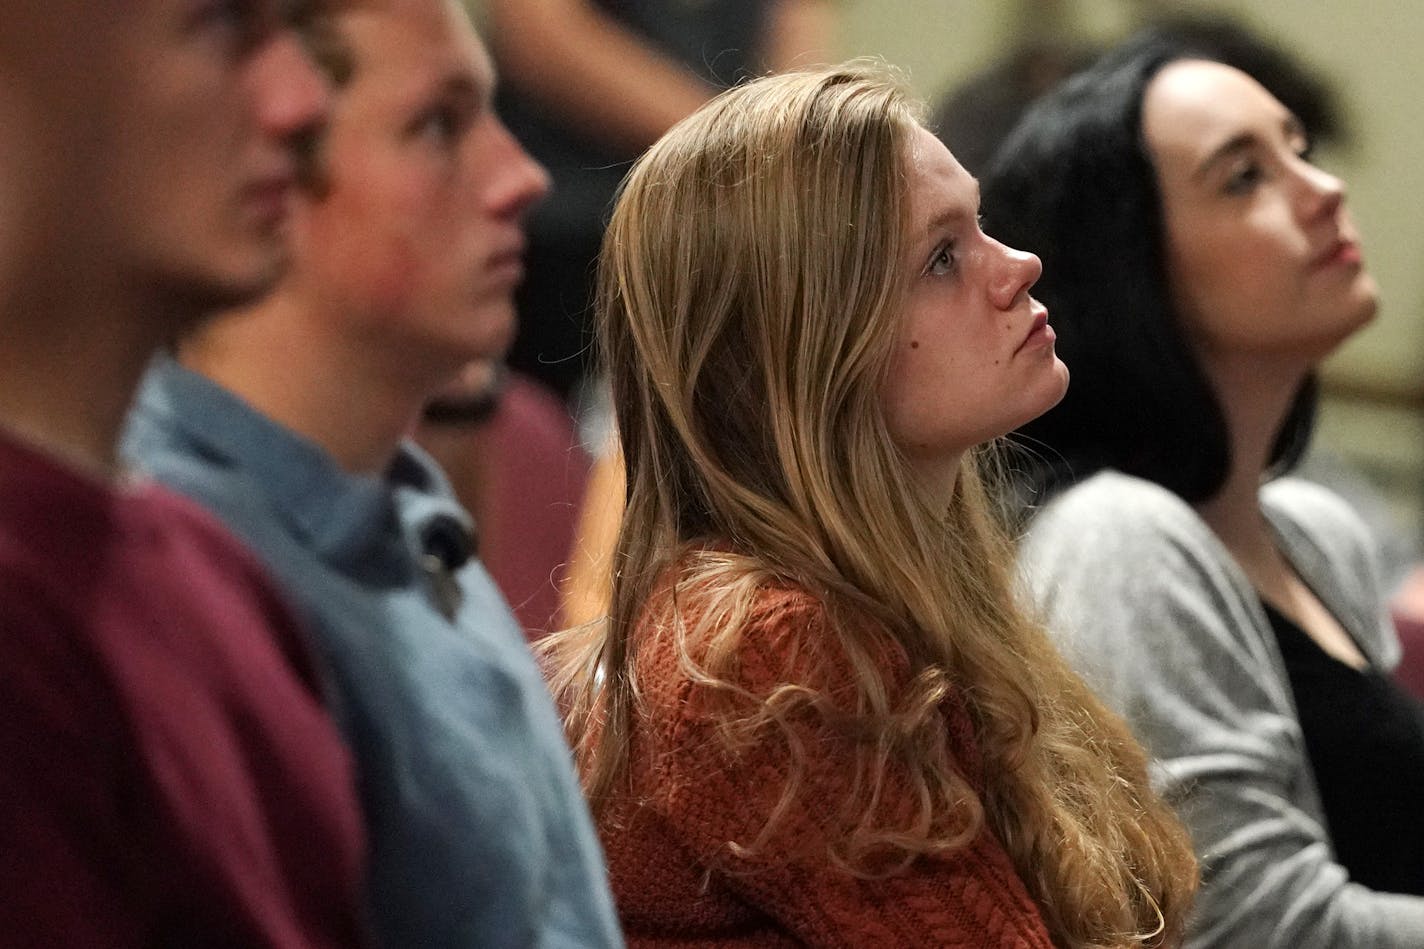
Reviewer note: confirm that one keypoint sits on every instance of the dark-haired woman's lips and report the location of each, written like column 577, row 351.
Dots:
column 1342, row 252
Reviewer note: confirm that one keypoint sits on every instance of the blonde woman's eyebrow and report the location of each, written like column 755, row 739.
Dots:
column 950, row 217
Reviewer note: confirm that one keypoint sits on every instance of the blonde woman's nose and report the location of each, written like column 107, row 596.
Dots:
column 1019, row 271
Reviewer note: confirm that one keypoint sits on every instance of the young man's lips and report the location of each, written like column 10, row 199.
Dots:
column 269, row 196
column 507, row 264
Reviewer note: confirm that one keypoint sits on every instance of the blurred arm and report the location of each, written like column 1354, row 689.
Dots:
column 800, row 33
column 604, row 79
column 591, row 71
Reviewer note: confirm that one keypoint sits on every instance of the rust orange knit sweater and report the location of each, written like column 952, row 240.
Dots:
column 675, row 880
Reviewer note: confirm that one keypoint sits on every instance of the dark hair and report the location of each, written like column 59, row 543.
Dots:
column 975, row 116
column 1074, row 184
column 1309, row 97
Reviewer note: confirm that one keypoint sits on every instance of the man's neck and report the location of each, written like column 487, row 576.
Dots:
column 68, row 373
column 309, row 376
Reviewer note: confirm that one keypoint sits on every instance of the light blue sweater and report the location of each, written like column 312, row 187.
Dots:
column 479, row 835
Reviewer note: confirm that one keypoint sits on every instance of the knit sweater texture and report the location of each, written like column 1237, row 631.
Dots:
column 672, row 836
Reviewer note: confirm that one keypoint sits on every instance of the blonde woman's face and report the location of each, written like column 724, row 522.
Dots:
column 974, row 358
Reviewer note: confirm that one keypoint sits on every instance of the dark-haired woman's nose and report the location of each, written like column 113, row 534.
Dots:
column 1321, row 193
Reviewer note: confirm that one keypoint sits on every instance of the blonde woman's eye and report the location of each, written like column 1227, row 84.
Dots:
column 942, row 262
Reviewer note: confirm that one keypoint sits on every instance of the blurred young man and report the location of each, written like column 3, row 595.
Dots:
column 288, row 419
column 168, row 775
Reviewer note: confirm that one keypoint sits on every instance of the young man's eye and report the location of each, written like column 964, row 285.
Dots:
column 238, row 20
column 301, row 13
column 442, row 124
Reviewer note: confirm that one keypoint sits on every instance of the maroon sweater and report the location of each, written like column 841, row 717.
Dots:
column 668, row 839
column 168, row 776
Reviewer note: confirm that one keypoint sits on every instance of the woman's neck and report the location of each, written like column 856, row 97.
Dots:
column 1255, row 396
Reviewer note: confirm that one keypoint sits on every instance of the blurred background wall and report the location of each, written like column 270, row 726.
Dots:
column 1373, row 411
column 1373, row 414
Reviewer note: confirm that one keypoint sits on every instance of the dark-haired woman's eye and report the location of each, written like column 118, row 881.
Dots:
column 1243, row 178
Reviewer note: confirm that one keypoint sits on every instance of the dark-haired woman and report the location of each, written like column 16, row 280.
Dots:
column 1198, row 265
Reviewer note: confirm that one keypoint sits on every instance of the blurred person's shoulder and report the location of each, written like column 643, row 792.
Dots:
column 1111, row 513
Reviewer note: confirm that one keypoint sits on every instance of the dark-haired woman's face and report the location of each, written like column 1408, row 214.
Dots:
column 1262, row 256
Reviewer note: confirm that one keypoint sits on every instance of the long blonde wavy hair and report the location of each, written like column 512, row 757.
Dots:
column 750, row 293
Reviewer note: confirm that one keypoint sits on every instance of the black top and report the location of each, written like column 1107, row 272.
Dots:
column 1365, row 739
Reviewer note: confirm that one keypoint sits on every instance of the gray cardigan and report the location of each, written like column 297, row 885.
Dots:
column 1151, row 609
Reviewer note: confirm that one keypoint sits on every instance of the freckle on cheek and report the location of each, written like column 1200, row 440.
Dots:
column 914, row 344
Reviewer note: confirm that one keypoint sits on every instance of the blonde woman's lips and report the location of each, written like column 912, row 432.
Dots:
column 1040, row 334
